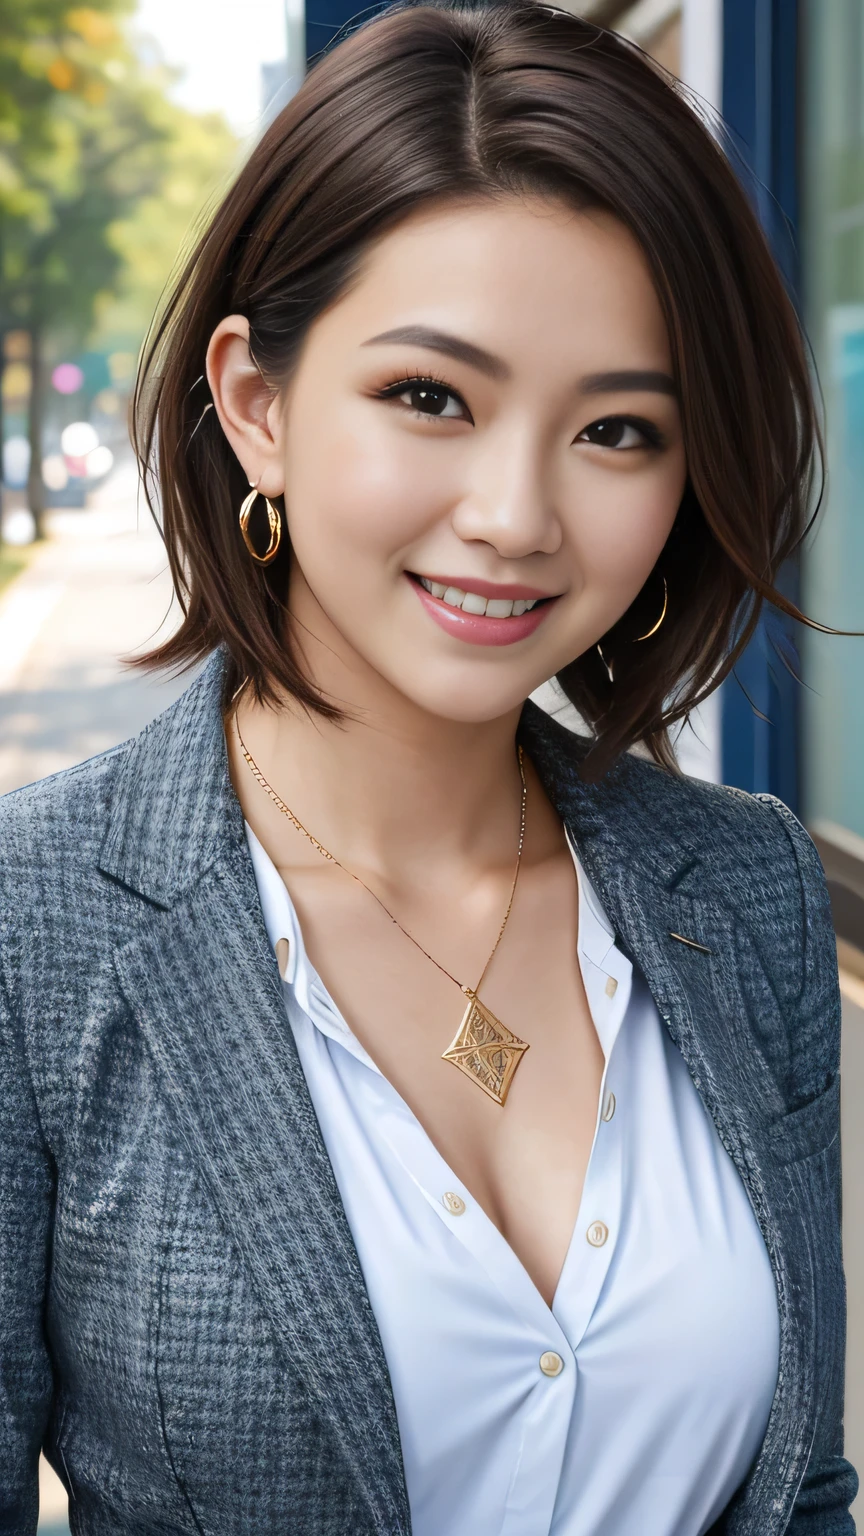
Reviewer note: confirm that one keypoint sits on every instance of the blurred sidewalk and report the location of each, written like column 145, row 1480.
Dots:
column 98, row 589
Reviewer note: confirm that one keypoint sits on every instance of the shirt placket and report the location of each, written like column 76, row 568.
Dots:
column 607, row 977
column 546, row 1367
column 598, row 1223
column 548, row 1338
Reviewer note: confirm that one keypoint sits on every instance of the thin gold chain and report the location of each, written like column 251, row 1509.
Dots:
column 331, row 858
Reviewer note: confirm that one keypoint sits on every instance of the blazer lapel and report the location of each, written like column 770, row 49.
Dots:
column 699, row 998
column 654, row 888
column 203, row 985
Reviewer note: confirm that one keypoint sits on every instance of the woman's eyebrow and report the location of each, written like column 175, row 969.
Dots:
column 629, row 378
column 452, row 346
column 495, row 367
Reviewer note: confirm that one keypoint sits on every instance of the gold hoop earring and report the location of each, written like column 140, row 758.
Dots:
column 274, row 522
column 661, row 618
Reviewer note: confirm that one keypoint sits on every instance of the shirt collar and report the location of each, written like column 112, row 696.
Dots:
column 597, row 936
column 280, row 919
column 296, row 969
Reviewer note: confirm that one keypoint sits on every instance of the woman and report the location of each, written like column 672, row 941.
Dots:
column 482, row 374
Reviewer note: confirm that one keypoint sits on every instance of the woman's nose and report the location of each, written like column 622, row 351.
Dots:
column 508, row 505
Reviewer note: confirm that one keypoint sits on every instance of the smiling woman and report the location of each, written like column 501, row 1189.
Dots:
column 414, row 1117
column 549, row 475
column 603, row 136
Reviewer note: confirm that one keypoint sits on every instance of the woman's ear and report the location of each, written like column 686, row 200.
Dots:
column 243, row 401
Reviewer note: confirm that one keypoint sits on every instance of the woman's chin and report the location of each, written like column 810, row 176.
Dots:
column 460, row 705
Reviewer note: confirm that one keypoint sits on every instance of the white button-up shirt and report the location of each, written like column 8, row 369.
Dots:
column 635, row 1405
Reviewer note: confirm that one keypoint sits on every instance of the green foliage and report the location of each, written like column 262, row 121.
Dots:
column 13, row 560
column 48, row 52
column 93, row 157
column 101, row 175
column 88, row 152
column 198, row 156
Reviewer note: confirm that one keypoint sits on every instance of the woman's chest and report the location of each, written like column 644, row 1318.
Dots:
column 521, row 1145
column 664, row 1316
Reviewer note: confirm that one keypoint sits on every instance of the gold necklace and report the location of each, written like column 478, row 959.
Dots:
column 483, row 1048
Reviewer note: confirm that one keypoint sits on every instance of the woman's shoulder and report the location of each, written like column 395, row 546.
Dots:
column 736, row 833
column 59, row 820
column 663, row 817
column 747, row 865
column 750, row 856
column 64, row 821
column 745, row 853
column 732, row 826
column 56, row 926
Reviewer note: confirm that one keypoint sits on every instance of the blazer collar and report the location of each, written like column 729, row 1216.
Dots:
column 201, row 982
column 609, row 820
column 174, row 804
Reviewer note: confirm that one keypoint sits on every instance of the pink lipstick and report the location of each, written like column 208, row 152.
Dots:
column 483, row 612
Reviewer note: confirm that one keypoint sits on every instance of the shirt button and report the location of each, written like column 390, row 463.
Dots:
column 597, row 1234
column 551, row 1364
column 609, row 1106
column 454, row 1203
column 611, row 986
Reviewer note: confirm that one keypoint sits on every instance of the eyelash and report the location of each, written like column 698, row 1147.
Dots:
column 653, row 437
column 417, row 380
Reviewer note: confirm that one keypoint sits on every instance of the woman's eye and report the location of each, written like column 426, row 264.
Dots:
column 428, row 398
column 620, row 432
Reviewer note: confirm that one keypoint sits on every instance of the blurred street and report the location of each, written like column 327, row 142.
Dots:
column 97, row 590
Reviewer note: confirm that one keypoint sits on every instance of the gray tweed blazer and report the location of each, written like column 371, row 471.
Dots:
column 183, row 1321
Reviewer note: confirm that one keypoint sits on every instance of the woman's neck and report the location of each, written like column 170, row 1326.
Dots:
column 391, row 790
column 382, row 790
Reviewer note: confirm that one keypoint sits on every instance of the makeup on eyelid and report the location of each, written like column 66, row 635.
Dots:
column 652, row 437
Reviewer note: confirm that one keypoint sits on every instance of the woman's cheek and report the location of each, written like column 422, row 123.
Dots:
column 374, row 492
column 627, row 526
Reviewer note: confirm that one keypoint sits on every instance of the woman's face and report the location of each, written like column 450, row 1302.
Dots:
column 486, row 421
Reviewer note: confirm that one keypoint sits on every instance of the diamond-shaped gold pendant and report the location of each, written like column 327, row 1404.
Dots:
column 486, row 1050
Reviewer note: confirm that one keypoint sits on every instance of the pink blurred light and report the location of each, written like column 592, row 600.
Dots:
column 67, row 378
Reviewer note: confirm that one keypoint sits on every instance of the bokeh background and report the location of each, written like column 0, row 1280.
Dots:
column 121, row 122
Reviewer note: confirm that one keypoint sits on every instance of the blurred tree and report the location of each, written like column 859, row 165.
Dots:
column 94, row 151
column 200, row 154
column 88, row 136
column 40, row 56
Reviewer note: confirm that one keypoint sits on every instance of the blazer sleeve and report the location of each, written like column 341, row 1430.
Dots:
column 830, row 1483
column 27, row 1185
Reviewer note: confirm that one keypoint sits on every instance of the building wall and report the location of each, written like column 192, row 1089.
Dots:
column 666, row 45
column 833, row 243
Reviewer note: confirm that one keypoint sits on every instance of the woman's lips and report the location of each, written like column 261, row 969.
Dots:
column 478, row 629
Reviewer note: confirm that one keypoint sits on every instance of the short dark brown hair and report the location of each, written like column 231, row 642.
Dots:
column 434, row 102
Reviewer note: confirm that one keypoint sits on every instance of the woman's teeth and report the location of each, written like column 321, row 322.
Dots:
column 472, row 602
